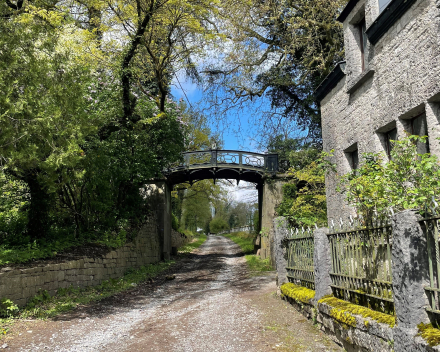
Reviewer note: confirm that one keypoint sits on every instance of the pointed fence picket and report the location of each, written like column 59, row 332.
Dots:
column 300, row 248
column 361, row 264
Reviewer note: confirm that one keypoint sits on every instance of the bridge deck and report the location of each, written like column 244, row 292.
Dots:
column 223, row 164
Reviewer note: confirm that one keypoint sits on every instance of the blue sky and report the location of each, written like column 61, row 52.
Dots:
column 237, row 131
column 245, row 192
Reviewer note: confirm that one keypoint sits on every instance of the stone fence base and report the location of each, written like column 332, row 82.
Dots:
column 367, row 335
column 410, row 276
column 20, row 285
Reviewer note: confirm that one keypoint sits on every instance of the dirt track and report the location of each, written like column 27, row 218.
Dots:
column 212, row 305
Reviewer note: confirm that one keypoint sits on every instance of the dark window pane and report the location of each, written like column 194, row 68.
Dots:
column 364, row 37
column 354, row 159
column 390, row 137
column 363, row 42
column 383, row 4
column 420, row 128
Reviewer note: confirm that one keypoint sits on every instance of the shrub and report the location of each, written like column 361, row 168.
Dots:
column 408, row 181
column 174, row 222
column 217, row 225
column 7, row 308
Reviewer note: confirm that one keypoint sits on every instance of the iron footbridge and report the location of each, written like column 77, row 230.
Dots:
column 222, row 164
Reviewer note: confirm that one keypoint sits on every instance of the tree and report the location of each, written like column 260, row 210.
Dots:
column 67, row 130
column 240, row 214
column 304, row 199
column 196, row 208
column 44, row 117
column 281, row 49
column 217, row 225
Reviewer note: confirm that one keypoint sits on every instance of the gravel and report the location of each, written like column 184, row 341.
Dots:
column 211, row 305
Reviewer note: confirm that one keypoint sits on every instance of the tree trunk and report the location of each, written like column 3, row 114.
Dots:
column 38, row 214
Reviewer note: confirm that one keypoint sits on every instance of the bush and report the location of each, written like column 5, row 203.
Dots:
column 408, row 181
column 304, row 199
column 289, row 191
column 217, row 225
column 174, row 222
column 187, row 233
column 7, row 308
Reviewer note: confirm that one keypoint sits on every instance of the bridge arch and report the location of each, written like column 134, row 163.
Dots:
column 225, row 164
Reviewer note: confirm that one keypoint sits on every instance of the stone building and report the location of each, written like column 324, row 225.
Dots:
column 388, row 86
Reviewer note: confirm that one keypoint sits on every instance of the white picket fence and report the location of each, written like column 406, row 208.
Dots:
column 238, row 229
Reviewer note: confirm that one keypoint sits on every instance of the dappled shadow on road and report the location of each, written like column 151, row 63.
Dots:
column 211, row 268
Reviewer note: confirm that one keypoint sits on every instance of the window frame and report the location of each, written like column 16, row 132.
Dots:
column 388, row 144
column 411, row 125
column 363, row 41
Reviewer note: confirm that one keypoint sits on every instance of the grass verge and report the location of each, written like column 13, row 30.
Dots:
column 246, row 242
column 46, row 248
column 44, row 306
column 196, row 243
column 244, row 239
column 32, row 251
column 256, row 264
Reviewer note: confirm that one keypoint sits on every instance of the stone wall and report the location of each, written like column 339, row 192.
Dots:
column 178, row 239
column 401, row 80
column 271, row 196
column 367, row 335
column 20, row 285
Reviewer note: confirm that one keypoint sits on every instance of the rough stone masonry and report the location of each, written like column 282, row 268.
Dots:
column 400, row 80
column 20, row 285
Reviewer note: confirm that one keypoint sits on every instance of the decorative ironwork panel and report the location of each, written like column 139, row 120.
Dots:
column 198, row 158
column 431, row 228
column 361, row 267
column 267, row 162
column 254, row 160
column 228, row 158
column 300, row 249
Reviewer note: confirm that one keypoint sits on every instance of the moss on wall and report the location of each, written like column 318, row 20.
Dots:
column 429, row 333
column 298, row 293
column 343, row 311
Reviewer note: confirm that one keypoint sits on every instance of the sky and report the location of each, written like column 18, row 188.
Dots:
column 237, row 132
column 244, row 192
column 233, row 140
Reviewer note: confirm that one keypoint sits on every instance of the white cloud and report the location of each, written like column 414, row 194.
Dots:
column 245, row 192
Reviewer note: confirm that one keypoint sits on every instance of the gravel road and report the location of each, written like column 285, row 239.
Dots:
column 212, row 305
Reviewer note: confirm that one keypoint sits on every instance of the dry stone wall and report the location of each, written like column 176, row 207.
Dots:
column 20, row 285
column 178, row 239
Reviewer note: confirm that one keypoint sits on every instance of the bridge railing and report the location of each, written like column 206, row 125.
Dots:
column 222, row 158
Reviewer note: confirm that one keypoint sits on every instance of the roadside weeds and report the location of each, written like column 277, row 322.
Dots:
column 256, row 265
column 43, row 306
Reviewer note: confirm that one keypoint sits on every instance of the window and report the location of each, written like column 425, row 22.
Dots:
column 419, row 127
column 362, row 28
column 390, row 136
column 354, row 159
column 383, row 4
